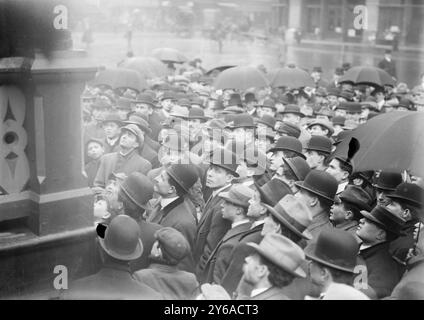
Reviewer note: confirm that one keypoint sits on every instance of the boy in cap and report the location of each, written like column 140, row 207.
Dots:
column 112, row 128
column 126, row 160
column 377, row 230
column 120, row 245
column 163, row 275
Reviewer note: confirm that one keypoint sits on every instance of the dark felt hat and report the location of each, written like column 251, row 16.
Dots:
column 267, row 120
column 321, row 184
column 225, row 159
column 138, row 188
column 269, row 103
column 385, row 219
column 298, row 166
column 289, row 129
column 184, row 174
column 388, row 181
column 292, row 108
column 320, row 143
column 242, row 120
column 288, row 143
column 272, row 191
column 409, row 193
column 357, row 196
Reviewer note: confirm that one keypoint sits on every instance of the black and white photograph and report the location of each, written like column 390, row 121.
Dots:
column 228, row 151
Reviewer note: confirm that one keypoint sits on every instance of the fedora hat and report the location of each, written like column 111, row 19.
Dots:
column 298, row 166
column 294, row 214
column 112, row 117
column 336, row 249
column 357, row 196
column 197, row 113
column 172, row 243
column 388, row 181
column 385, row 219
column 267, row 120
column 320, row 143
column 409, row 193
column 138, row 188
column 272, row 191
column 225, row 159
column 184, row 174
column 282, row 252
column 140, row 122
column 292, row 108
column 320, row 183
column 242, row 120
column 288, row 143
column 122, row 239
column 239, row 194
column 289, row 129
column 269, row 103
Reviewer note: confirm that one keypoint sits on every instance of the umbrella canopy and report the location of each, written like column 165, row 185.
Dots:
column 367, row 75
column 219, row 69
column 290, row 77
column 120, row 78
column 147, row 67
column 169, row 55
column 240, row 78
column 391, row 142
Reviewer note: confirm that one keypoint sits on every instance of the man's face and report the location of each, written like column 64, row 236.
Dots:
column 313, row 158
column 99, row 113
column 340, row 113
column 251, row 105
column 332, row 99
column 291, row 118
column 396, row 208
column 216, row 177
column 367, row 230
column 268, row 111
column 269, row 226
column 123, row 113
column 251, row 268
column 382, row 199
column 95, row 150
column 318, row 130
column 128, row 140
column 303, row 196
column 143, row 108
column 167, row 105
column 111, row 129
column 162, row 185
column 277, row 160
column 338, row 213
column 335, row 170
column 256, row 208
column 353, row 116
column 229, row 211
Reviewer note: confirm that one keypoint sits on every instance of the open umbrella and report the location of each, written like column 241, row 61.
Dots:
column 147, row 67
column 169, row 55
column 367, row 75
column 240, row 78
column 291, row 77
column 391, row 142
column 120, row 78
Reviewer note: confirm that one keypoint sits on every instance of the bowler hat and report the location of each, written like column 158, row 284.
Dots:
column 294, row 214
column 239, row 194
column 267, row 120
column 298, row 166
column 122, row 239
column 341, row 136
column 184, row 174
column 250, row 97
column 324, row 124
column 338, row 121
column 272, row 191
column 225, row 159
column 242, row 120
column 292, row 108
column 196, row 113
column 140, row 122
column 388, row 181
column 112, row 117
column 320, row 143
column 269, row 103
column 320, row 183
column 409, row 193
column 336, row 249
column 288, row 143
column 283, row 252
column 356, row 196
column 385, row 219
column 145, row 98
column 172, row 243
column 168, row 95
column 138, row 188
column 235, row 100
column 289, row 129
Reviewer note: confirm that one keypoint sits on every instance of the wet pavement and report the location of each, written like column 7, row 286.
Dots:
column 108, row 49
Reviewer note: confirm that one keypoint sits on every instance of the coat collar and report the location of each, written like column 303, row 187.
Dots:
column 368, row 252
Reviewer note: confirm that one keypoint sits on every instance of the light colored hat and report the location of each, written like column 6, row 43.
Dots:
column 239, row 195
column 283, row 252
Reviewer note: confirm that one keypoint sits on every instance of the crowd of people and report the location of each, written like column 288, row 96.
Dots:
column 241, row 194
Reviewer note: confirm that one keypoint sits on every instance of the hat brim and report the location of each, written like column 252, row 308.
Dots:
column 301, row 185
column 296, row 113
column 122, row 187
column 176, row 179
column 318, row 149
column 285, row 149
column 128, row 257
column 305, row 234
column 297, row 273
column 383, row 188
column 143, row 128
column 409, row 201
column 310, row 254
column 233, row 172
column 370, row 217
